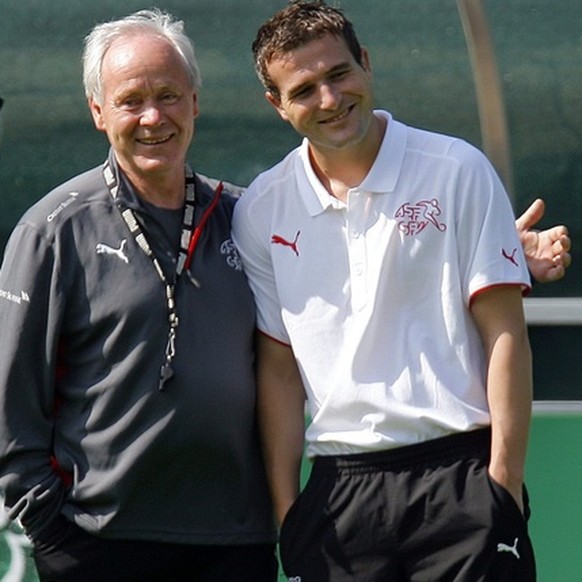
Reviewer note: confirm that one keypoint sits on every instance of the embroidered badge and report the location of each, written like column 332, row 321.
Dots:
column 414, row 218
column 230, row 252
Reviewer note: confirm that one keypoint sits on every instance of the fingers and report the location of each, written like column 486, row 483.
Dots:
column 565, row 241
column 561, row 245
column 531, row 216
column 561, row 259
column 564, row 259
column 556, row 273
column 558, row 236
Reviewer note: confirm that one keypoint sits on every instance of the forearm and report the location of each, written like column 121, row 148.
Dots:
column 281, row 402
column 501, row 322
column 283, row 451
column 510, row 397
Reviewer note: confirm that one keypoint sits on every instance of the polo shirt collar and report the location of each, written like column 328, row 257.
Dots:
column 384, row 173
column 382, row 177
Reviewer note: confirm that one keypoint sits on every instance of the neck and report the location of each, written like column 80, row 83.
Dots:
column 342, row 169
column 164, row 193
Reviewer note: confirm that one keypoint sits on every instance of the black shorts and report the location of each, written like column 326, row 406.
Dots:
column 67, row 553
column 426, row 512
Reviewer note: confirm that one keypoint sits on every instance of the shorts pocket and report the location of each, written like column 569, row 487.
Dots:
column 505, row 502
column 288, row 519
column 305, row 522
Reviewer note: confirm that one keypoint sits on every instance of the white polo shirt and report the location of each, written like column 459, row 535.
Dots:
column 373, row 295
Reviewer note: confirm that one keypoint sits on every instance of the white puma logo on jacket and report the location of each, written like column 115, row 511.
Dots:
column 103, row 249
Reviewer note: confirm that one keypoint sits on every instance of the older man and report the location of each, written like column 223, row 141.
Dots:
column 128, row 446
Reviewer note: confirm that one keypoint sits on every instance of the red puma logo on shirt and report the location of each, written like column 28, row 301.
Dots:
column 279, row 240
column 510, row 257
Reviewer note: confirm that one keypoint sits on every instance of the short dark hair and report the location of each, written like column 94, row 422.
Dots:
column 296, row 25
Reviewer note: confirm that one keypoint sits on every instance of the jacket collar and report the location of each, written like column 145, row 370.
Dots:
column 128, row 197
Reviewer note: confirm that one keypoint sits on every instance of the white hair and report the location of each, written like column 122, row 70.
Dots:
column 154, row 22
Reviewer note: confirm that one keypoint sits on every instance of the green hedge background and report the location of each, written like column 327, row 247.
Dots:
column 423, row 76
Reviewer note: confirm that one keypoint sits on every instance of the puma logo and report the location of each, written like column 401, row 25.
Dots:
column 103, row 249
column 279, row 240
column 511, row 257
column 510, row 549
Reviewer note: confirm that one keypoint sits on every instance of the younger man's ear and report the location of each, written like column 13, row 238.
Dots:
column 275, row 101
column 365, row 58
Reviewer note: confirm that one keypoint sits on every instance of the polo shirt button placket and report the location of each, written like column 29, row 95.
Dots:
column 357, row 249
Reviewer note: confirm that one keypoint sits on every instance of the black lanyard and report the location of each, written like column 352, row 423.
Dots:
column 188, row 240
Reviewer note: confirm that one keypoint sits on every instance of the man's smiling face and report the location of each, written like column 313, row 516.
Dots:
column 148, row 106
column 324, row 93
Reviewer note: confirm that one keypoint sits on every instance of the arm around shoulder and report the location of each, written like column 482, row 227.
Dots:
column 547, row 251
